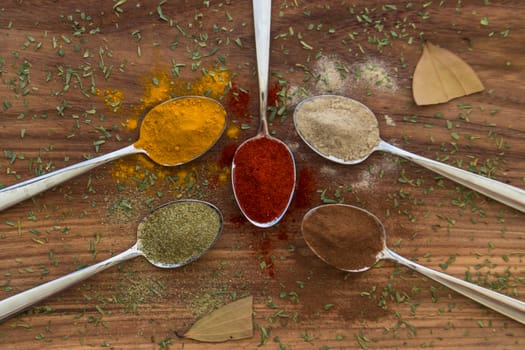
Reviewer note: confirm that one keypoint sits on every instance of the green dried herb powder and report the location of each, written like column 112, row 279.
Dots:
column 177, row 232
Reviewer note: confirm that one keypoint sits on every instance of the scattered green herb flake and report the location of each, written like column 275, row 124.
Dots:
column 239, row 43
column 265, row 334
column 362, row 340
column 161, row 14
column 327, row 307
column 305, row 45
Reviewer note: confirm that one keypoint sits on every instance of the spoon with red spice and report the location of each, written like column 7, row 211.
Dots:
column 263, row 167
column 353, row 239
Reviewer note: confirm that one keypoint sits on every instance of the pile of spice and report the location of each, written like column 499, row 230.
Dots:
column 179, row 232
column 181, row 129
column 344, row 236
column 263, row 175
column 337, row 127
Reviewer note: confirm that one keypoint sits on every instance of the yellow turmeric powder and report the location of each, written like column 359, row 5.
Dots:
column 140, row 170
column 158, row 89
column 161, row 87
column 233, row 132
column 113, row 99
column 181, row 129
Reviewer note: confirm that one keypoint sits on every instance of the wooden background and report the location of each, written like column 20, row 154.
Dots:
column 58, row 57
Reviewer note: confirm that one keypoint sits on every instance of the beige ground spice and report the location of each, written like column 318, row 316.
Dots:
column 337, row 127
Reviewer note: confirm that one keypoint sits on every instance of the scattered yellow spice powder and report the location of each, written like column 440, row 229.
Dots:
column 113, row 99
column 233, row 131
column 157, row 89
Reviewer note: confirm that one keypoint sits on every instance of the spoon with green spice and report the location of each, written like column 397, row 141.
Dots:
column 173, row 235
column 164, row 134
column 353, row 239
column 346, row 131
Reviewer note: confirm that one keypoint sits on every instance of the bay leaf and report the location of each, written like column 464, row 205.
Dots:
column 229, row 322
column 441, row 76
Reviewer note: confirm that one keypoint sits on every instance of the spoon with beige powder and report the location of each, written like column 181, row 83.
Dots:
column 345, row 131
column 352, row 239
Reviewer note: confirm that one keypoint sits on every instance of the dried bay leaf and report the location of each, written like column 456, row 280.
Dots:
column 441, row 76
column 229, row 322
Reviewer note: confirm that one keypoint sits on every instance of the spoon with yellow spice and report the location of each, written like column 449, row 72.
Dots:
column 172, row 133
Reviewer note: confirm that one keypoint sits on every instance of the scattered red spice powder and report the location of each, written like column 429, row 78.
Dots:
column 237, row 101
column 226, row 156
column 306, row 187
column 273, row 94
column 238, row 220
column 264, row 254
column 282, row 236
column 263, row 178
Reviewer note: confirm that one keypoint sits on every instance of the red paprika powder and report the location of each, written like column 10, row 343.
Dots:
column 263, row 179
column 237, row 101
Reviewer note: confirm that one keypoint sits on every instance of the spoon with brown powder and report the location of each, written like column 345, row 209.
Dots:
column 352, row 239
column 173, row 235
column 170, row 135
column 345, row 131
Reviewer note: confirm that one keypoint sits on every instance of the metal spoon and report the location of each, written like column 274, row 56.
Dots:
column 16, row 193
column 506, row 194
column 19, row 302
column 335, row 244
column 262, row 10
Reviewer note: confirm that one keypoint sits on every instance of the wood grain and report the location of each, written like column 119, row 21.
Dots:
column 50, row 118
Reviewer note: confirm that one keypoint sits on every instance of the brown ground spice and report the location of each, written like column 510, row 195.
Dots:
column 344, row 236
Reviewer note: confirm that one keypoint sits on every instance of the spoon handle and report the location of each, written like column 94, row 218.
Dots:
column 501, row 303
column 262, row 14
column 510, row 195
column 19, row 302
column 16, row 193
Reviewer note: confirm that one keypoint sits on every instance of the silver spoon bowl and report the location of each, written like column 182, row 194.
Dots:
column 19, row 302
column 499, row 191
column 16, row 193
column 262, row 10
column 333, row 246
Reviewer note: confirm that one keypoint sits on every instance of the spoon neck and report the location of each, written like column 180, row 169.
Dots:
column 262, row 11
column 263, row 124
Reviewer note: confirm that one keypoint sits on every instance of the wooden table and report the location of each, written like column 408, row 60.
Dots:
column 72, row 75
